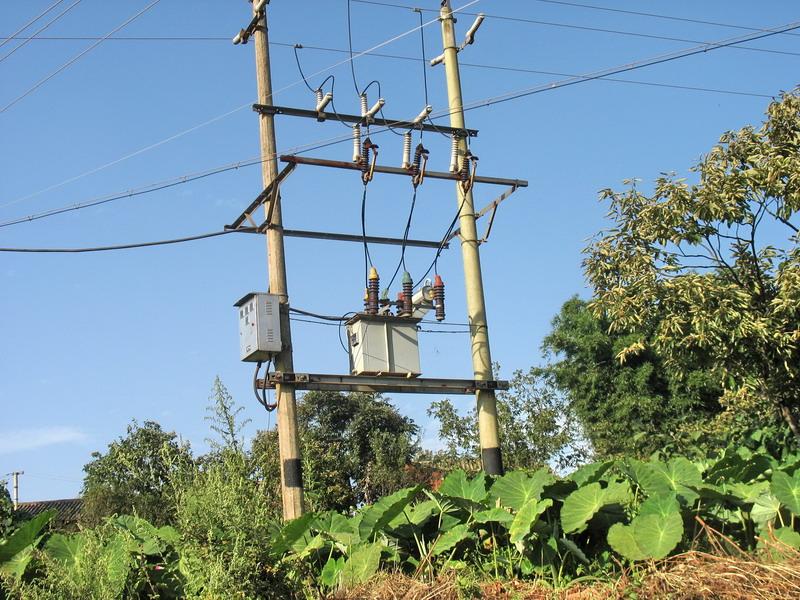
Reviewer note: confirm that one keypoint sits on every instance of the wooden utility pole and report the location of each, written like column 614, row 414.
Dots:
column 288, row 439
column 15, row 478
column 476, row 306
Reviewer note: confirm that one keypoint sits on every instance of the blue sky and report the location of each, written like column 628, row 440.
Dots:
column 91, row 341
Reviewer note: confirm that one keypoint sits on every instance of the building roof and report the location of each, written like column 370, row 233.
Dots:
column 68, row 509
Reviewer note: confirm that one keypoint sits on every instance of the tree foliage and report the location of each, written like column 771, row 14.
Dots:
column 715, row 265
column 635, row 407
column 536, row 427
column 224, row 418
column 137, row 474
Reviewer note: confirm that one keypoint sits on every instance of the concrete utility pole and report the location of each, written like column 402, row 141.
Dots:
column 288, row 439
column 476, row 306
column 15, row 478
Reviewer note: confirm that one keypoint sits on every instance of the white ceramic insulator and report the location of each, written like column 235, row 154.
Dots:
column 470, row 36
column 454, row 155
column 407, row 150
column 422, row 115
column 364, row 105
column 375, row 108
column 323, row 101
column 356, row 143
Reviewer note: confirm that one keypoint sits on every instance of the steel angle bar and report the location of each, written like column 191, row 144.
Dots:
column 492, row 206
column 351, row 166
column 350, row 237
column 396, row 124
column 379, row 384
column 266, row 194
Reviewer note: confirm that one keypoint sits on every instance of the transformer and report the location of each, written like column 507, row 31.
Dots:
column 259, row 327
column 383, row 345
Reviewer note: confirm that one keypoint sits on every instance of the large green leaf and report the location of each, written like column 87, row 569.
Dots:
column 787, row 490
column 450, row 538
column 648, row 536
column 788, row 536
column 661, row 505
column 765, row 509
column 516, row 488
column 376, row 517
column 526, row 517
column 677, row 475
column 65, row 548
column 457, row 485
column 494, row 515
column 26, row 535
column 580, row 506
column 336, row 527
column 295, row 535
column 331, row 571
column 361, row 564
column 591, row 473
column 16, row 565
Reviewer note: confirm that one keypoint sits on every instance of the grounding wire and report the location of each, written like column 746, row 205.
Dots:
column 31, row 37
column 29, row 23
column 191, row 238
column 77, row 57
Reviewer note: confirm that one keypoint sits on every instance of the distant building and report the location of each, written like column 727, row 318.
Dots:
column 68, row 511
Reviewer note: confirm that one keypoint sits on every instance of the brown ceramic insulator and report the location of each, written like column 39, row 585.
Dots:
column 438, row 297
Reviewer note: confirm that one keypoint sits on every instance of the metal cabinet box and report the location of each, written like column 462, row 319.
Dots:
column 259, row 327
column 383, row 345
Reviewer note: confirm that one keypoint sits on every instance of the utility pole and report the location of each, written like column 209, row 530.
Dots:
column 15, row 478
column 476, row 305
column 288, row 439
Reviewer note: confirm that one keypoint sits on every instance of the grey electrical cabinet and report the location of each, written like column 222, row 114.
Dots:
column 383, row 345
column 259, row 327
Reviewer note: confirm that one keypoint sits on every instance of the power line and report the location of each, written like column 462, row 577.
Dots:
column 594, row 29
column 31, row 22
column 654, row 15
column 192, row 238
column 42, row 28
column 77, row 57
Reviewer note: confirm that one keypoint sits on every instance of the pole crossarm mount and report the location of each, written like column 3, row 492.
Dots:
column 355, row 119
column 348, row 237
column 352, row 166
column 269, row 194
column 492, row 206
column 379, row 384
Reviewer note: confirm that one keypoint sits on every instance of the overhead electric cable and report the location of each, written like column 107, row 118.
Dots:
column 29, row 23
column 44, row 27
column 75, row 58
column 350, row 46
column 594, row 29
column 192, row 238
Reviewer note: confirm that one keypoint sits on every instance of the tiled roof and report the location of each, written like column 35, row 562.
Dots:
column 69, row 509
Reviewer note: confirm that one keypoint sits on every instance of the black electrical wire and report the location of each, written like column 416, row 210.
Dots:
column 316, row 315
column 129, row 246
column 350, row 47
column 262, row 397
column 434, row 264
column 424, row 60
column 345, row 316
column 367, row 257
column 402, row 261
column 299, row 68
column 29, row 23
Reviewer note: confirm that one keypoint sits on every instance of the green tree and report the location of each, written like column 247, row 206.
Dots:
column 355, row 449
column 635, row 407
column 6, row 509
column 716, row 264
column 139, row 474
column 536, row 427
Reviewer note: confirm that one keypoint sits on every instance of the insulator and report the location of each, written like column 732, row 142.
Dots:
column 454, row 155
column 365, row 146
column 470, row 35
column 364, row 104
column 422, row 115
column 418, row 157
column 399, row 304
column 408, row 292
column 370, row 114
column 356, row 143
column 373, row 291
column 464, row 171
column 407, row 150
column 438, row 297
column 323, row 101
column 318, row 95
column 366, row 300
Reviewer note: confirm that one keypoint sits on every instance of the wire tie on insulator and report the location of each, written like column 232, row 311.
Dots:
column 454, row 154
column 357, row 158
column 407, row 150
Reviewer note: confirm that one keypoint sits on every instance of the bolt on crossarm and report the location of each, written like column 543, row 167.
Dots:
column 476, row 305
column 288, row 438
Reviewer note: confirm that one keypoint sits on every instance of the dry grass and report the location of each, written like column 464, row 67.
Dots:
column 688, row 576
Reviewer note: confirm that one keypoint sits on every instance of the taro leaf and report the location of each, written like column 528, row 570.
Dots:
column 26, row 535
column 450, row 538
column 734, row 468
column 335, row 527
column 618, row 492
column 648, row 536
column 457, row 485
column 716, row 494
column 765, row 509
column 573, row 549
column 494, row 515
column 169, row 534
column 787, row 490
column 591, row 473
column 65, row 548
column 658, row 478
column 788, row 536
column 526, row 517
column 361, row 564
column 661, row 505
column 515, row 488
column 117, row 560
column 295, row 535
column 16, row 565
column 580, row 506
column 380, row 514
column 748, row 492
column 330, row 572
column 144, row 533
